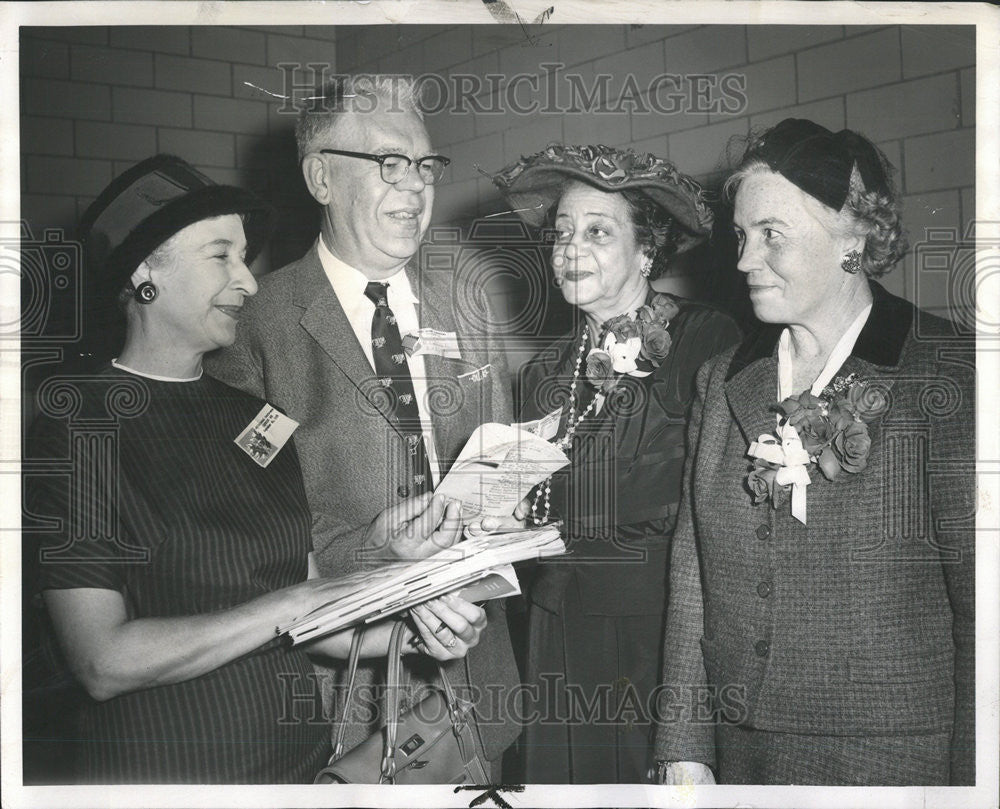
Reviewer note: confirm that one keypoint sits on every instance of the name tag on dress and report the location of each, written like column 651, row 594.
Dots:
column 264, row 437
column 432, row 341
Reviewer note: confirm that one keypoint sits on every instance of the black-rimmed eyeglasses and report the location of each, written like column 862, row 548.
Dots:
column 395, row 167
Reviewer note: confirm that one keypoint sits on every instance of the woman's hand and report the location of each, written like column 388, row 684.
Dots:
column 414, row 528
column 300, row 599
column 499, row 525
column 449, row 626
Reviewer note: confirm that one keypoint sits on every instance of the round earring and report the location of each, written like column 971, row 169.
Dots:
column 145, row 292
column 851, row 262
column 646, row 268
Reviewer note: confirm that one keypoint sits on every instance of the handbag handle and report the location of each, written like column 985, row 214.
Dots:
column 455, row 715
column 394, row 684
column 352, row 674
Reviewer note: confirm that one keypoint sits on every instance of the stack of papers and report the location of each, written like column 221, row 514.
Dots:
column 477, row 569
column 497, row 468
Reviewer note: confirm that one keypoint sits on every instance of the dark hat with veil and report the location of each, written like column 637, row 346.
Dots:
column 534, row 184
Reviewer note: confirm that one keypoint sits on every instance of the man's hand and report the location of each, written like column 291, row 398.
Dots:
column 687, row 773
column 498, row 525
column 414, row 529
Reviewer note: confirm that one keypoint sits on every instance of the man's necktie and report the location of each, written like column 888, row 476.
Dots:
column 394, row 375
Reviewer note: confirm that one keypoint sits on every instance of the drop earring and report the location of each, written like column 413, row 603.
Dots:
column 646, row 268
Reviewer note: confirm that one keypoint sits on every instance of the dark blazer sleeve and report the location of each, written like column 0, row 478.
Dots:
column 678, row 736
column 953, row 508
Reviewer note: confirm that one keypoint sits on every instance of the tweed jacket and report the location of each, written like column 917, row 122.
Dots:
column 296, row 349
column 861, row 623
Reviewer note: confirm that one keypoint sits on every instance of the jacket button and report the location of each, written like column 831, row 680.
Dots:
column 403, row 490
column 763, row 531
column 764, row 589
column 762, row 647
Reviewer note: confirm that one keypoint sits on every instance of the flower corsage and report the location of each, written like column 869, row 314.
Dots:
column 828, row 432
column 632, row 347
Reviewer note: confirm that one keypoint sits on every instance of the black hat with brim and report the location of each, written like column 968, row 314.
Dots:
column 151, row 202
column 534, row 184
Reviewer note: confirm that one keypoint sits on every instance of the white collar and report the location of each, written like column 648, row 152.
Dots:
column 351, row 282
column 157, row 377
column 841, row 351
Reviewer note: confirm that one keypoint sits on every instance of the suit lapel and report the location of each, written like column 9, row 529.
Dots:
column 459, row 404
column 433, row 312
column 751, row 394
column 751, row 379
column 325, row 321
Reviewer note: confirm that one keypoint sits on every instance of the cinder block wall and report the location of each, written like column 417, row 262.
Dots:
column 909, row 88
column 95, row 100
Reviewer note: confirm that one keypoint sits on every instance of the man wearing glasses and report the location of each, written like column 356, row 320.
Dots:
column 330, row 338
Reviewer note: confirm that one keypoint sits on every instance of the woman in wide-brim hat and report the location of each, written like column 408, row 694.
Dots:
column 183, row 534
column 618, row 384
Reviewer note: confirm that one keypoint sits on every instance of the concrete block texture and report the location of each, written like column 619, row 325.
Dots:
column 855, row 63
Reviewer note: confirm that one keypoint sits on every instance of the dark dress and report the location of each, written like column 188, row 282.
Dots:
column 200, row 528
column 595, row 618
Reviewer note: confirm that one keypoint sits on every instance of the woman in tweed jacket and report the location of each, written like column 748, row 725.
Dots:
column 822, row 573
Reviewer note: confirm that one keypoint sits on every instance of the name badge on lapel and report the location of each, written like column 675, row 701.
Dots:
column 479, row 374
column 266, row 434
column 432, row 341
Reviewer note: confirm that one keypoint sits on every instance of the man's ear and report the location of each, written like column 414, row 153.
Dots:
column 317, row 179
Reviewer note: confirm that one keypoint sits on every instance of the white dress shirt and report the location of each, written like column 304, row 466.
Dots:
column 349, row 286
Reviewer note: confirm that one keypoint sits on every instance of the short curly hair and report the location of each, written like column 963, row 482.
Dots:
column 654, row 229
column 873, row 216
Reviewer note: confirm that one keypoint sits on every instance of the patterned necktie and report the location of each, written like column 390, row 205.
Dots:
column 394, row 374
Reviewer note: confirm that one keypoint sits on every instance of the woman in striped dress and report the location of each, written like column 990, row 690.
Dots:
column 179, row 552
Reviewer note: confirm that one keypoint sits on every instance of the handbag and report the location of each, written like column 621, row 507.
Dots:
column 430, row 743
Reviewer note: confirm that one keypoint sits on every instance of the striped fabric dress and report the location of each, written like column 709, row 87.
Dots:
column 200, row 528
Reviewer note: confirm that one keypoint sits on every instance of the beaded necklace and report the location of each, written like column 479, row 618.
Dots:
column 573, row 421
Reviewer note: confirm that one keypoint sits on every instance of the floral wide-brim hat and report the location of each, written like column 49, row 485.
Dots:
column 534, row 184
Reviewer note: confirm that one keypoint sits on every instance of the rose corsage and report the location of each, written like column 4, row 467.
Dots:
column 632, row 347
column 629, row 347
column 828, row 432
